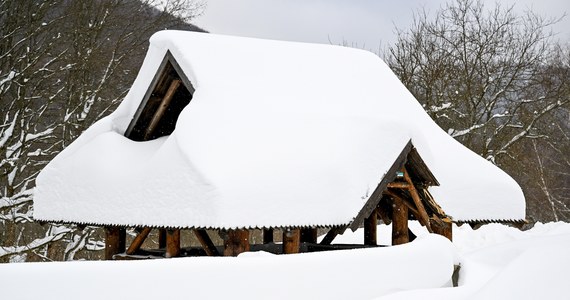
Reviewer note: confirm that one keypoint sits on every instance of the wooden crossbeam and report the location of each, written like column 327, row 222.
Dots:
column 206, row 242
column 398, row 185
column 138, row 241
column 162, row 108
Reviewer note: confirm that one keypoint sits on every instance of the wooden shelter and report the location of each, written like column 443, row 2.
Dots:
column 401, row 195
column 252, row 145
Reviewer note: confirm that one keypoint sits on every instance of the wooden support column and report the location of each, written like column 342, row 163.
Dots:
column 114, row 241
column 206, row 242
column 172, row 243
column 399, row 222
column 236, row 241
column 162, row 238
column 138, row 241
column 291, row 241
column 309, row 235
column 442, row 227
column 370, row 229
column 267, row 235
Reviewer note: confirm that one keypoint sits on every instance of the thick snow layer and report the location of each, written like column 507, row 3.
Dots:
column 497, row 262
column 277, row 134
column 347, row 274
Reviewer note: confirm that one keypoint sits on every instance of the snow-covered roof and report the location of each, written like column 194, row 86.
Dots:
column 277, row 134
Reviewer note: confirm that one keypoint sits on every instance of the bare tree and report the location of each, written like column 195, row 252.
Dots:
column 490, row 77
column 63, row 65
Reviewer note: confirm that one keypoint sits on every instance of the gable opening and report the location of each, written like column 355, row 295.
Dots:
column 169, row 92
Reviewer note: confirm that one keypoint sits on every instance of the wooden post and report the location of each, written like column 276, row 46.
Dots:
column 162, row 238
column 138, row 241
column 309, row 235
column 172, row 243
column 114, row 241
column 291, row 241
column 370, row 228
column 442, row 227
column 206, row 242
column 267, row 235
column 399, row 222
column 236, row 242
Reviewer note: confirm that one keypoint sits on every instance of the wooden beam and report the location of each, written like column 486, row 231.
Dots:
column 398, row 185
column 399, row 222
column 423, row 216
column 267, row 235
column 162, row 108
column 138, row 241
column 442, row 227
column 172, row 243
column 236, row 242
column 162, row 238
column 114, row 241
column 206, row 242
column 329, row 237
column 291, row 241
column 309, row 235
column 370, row 229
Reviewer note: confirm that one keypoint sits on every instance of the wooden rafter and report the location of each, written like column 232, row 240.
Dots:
column 138, row 241
column 162, row 108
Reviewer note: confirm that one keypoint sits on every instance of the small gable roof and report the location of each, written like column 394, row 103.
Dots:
column 276, row 134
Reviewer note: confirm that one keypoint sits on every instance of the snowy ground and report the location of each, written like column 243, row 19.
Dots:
column 496, row 262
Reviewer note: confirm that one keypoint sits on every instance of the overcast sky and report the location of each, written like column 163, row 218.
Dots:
column 362, row 23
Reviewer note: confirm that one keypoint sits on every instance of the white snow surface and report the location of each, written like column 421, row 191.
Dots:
column 497, row 262
column 277, row 134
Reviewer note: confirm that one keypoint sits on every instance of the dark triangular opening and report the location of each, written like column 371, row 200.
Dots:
column 169, row 92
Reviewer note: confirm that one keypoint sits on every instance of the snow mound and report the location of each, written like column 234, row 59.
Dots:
column 346, row 274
